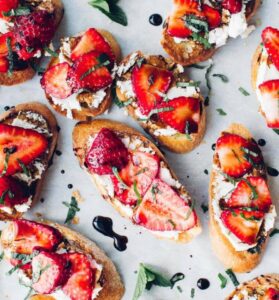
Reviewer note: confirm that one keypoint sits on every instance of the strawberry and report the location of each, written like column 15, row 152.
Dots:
column 233, row 6
column 148, row 83
column 89, row 71
column 163, row 210
column 184, row 114
column 49, row 271
column 212, row 15
column 231, row 153
column 270, row 37
column 243, row 224
column 7, row 5
column 271, row 294
column 270, row 102
column 21, row 264
column 19, row 146
column 140, row 172
column 107, row 151
column 12, row 192
column 4, row 65
column 92, row 40
column 252, row 192
column 54, row 81
column 4, row 44
column 80, row 284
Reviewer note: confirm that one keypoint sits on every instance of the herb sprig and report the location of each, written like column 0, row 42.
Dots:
column 73, row 209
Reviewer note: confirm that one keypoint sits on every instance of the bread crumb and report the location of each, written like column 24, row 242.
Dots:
column 78, row 196
column 75, row 220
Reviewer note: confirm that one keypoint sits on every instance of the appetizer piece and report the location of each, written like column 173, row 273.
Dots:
column 58, row 263
column 241, row 210
column 79, row 78
column 26, row 30
column 264, row 287
column 265, row 76
column 28, row 137
column 195, row 29
column 133, row 176
column 156, row 92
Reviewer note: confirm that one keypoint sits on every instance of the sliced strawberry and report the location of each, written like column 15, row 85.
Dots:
column 233, row 6
column 24, row 236
column 270, row 37
column 89, row 71
column 7, row 5
column 252, row 192
column 19, row 145
column 231, row 153
column 107, row 151
column 92, row 40
column 149, row 83
column 212, row 15
column 4, row 65
column 80, row 284
column 54, row 81
column 49, row 272
column 12, row 192
column 20, row 264
column 183, row 114
column 139, row 173
column 243, row 224
column 271, row 294
column 25, row 54
column 4, row 43
column 163, row 210
column 270, row 102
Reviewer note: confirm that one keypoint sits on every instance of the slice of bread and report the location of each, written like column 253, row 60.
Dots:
column 180, row 143
column 42, row 110
column 81, row 134
column 88, row 112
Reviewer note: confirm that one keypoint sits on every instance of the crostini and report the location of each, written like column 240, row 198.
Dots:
column 78, row 80
column 241, row 210
column 28, row 137
column 264, row 287
column 156, row 92
column 195, row 29
column 132, row 175
column 55, row 263
column 26, row 30
column 265, row 76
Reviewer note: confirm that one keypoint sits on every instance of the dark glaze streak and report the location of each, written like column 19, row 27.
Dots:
column 203, row 283
column 104, row 225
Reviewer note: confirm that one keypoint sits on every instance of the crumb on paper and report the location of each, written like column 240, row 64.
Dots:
column 38, row 215
column 78, row 196
column 75, row 220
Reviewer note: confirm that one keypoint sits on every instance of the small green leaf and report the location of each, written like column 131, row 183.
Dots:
column 141, row 283
column 223, row 77
column 23, row 167
column 276, row 131
column 51, row 52
column 20, row 11
column 137, row 193
column 2, row 255
column 73, row 209
column 196, row 66
column 243, row 91
column 221, row 112
column 192, row 293
column 223, row 280
column 273, row 232
column 232, row 276
column 116, row 174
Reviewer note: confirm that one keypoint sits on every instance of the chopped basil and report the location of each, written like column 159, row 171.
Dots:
column 232, row 277
column 204, row 208
column 10, row 56
column 4, row 194
column 143, row 170
column 253, row 189
column 73, row 209
column 137, row 193
column 196, row 66
column 187, row 131
column 29, row 294
column 8, row 152
column 202, row 40
column 172, row 223
column 276, row 131
column 221, row 112
column 120, row 103
column 51, row 52
column 208, row 84
column 2, row 255
column 252, row 218
column 196, row 24
column 103, row 61
column 273, row 232
column 192, row 293
column 23, row 258
column 37, row 275
column 243, row 91
column 223, row 280
column 189, row 83
column 229, row 178
column 223, row 77
column 116, row 174
column 24, row 168
column 20, row 11
column 154, row 191
column 190, row 210
column 164, row 96
column 156, row 111
column 179, row 289
column 249, row 152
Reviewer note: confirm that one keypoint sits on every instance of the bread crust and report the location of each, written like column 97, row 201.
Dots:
column 52, row 123
column 255, row 66
column 88, row 113
column 257, row 285
column 238, row 261
column 84, row 130
column 20, row 76
column 190, row 52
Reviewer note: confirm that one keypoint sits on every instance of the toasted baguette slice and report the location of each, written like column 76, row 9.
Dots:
column 192, row 52
column 255, row 66
column 112, row 286
column 179, row 143
column 256, row 288
column 42, row 110
column 20, row 76
column 238, row 261
column 81, row 134
column 86, row 112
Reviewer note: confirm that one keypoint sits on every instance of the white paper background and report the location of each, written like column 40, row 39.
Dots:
column 234, row 60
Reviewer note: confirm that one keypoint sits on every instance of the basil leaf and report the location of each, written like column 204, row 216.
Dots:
column 141, row 283
column 73, row 209
column 192, row 293
column 51, row 52
column 2, row 256
column 223, row 77
column 223, row 280
column 116, row 174
column 273, row 232
column 10, row 56
column 196, row 66
column 276, row 131
column 137, row 193
column 243, row 91
column 159, row 279
column 20, row 11
column 221, row 112
column 232, row 276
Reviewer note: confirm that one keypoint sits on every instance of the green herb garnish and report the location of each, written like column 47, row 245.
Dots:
column 24, row 168
column 208, row 84
column 137, row 193
column 172, row 223
column 223, row 77
column 10, row 56
column 73, row 209
column 189, row 83
column 223, row 280
column 192, row 293
column 273, row 232
column 196, row 66
column 221, row 112
column 187, row 131
column 156, row 111
column 51, row 52
column 2, row 255
column 116, row 174
column 20, row 11
column 276, row 131
column 4, row 194
column 202, row 40
column 103, row 61
column 232, row 277
column 8, row 152
column 190, row 210
column 24, row 259
column 243, row 91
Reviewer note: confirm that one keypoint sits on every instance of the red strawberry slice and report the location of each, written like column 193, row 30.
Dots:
column 271, row 294
column 243, row 224
column 163, row 210
column 149, row 83
column 17, row 146
column 80, row 284
column 24, row 236
column 270, row 37
column 212, row 15
column 25, row 54
column 54, row 81
column 4, row 65
column 92, row 40
column 7, row 5
column 49, row 272
column 107, row 151
column 184, row 114
column 4, row 43
column 138, row 174
column 252, row 192
column 233, row 6
column 270, row 102
column 89, row 71
column 21, row 265
column 12, row 192
column 231, row 153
